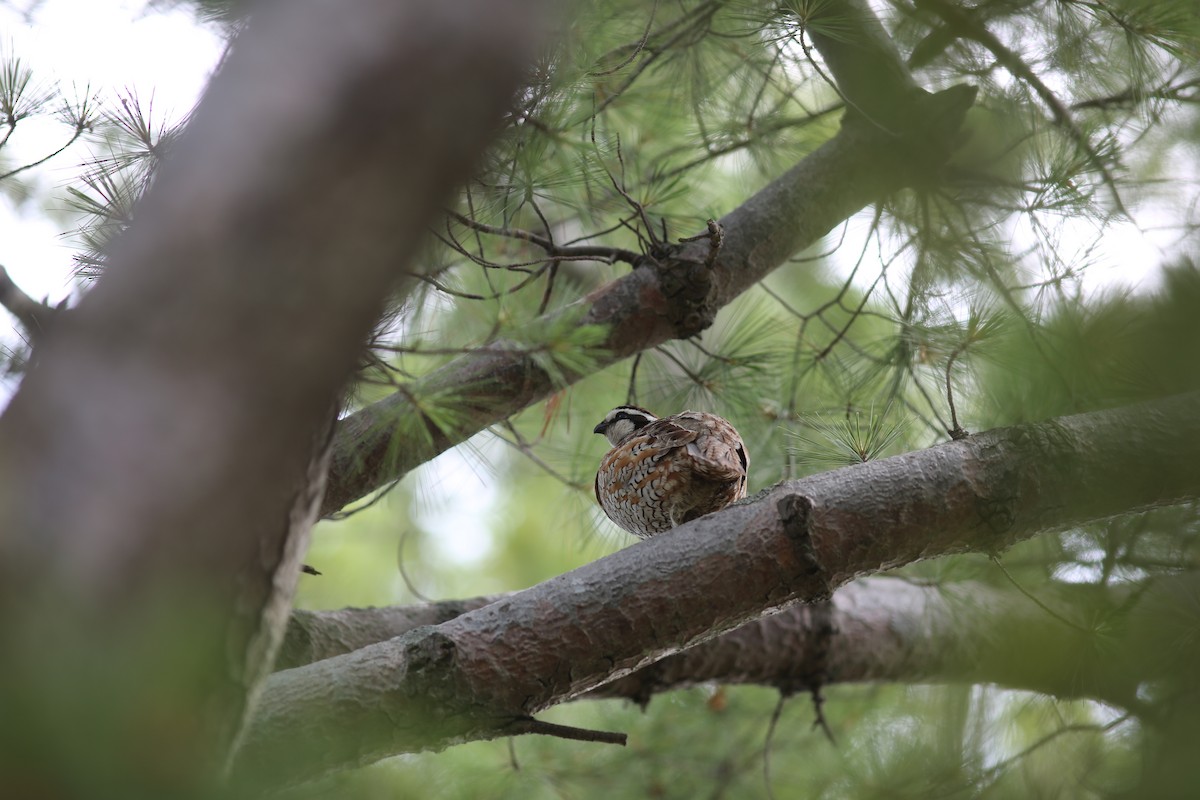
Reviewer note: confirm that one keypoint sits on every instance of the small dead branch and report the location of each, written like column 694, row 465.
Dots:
column 956, row 431
column 716, row 238
column 526, row 725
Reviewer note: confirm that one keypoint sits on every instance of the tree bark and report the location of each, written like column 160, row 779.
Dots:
column 162, row 459
column 872, row 630
column 480, row 673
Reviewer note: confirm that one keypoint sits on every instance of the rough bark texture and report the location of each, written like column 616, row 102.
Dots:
column 472, row 676
column 872, row 630
column 158, row 458
column 316, row 635
column 878, row 630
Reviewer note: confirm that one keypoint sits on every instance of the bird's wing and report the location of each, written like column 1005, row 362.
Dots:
column 717, row 452
column 665, row 434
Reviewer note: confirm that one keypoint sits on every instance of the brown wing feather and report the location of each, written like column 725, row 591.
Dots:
column 718, row 453
column 665, row 434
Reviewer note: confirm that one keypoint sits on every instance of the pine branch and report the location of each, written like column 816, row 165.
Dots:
column 673, row 298
column 795, row 543
column 74, row 137
column 966, row 25
column 866, row 66
column 884, row 631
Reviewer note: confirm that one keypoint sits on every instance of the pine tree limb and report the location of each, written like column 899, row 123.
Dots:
column 662, row 299
column 798, row 542
column 883, row 630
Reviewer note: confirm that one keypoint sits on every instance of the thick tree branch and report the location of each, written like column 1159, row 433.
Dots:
column 468, row 677
column 316, row 635
column 654, row 303
column 880, row 630
column 874, row 630
column 160, row 460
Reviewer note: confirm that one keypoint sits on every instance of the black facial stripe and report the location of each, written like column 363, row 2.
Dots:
column 638, row 419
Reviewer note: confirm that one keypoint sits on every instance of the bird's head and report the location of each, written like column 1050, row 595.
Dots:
column 622, row 421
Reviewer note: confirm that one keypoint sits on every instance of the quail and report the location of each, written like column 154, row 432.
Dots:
column 664, row 472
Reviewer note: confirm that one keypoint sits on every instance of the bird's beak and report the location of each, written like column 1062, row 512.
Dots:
column 600, row 428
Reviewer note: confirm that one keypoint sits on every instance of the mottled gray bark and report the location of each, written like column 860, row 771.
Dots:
column 473, row 676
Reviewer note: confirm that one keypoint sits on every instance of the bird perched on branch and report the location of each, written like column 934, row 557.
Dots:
column 664, row 472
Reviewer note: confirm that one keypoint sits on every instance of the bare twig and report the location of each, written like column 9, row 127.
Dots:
column 79, row 130
column 1167, row 91
column 1035, row 600
column 526, row 725
column 1042, row 742
column 956, row 431
column 634, row 204
column 818, row 701
column 631, row 395
column 408, row 582
column 512, row 755
column 608, row 255
column 636, row 48
column 771, row 726
column 716, row 238
column 520, row 444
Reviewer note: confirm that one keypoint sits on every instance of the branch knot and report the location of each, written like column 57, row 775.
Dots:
column 795, row 514
column 686, row 284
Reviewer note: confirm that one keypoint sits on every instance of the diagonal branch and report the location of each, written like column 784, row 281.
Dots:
column 672, row 297
column 471, row 676
column 609, row 255
column 866, row 66
column 968, row 26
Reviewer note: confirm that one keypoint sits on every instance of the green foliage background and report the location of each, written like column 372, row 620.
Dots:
column 658, row 116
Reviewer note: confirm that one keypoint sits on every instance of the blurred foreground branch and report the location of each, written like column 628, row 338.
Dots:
column 164, row 457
